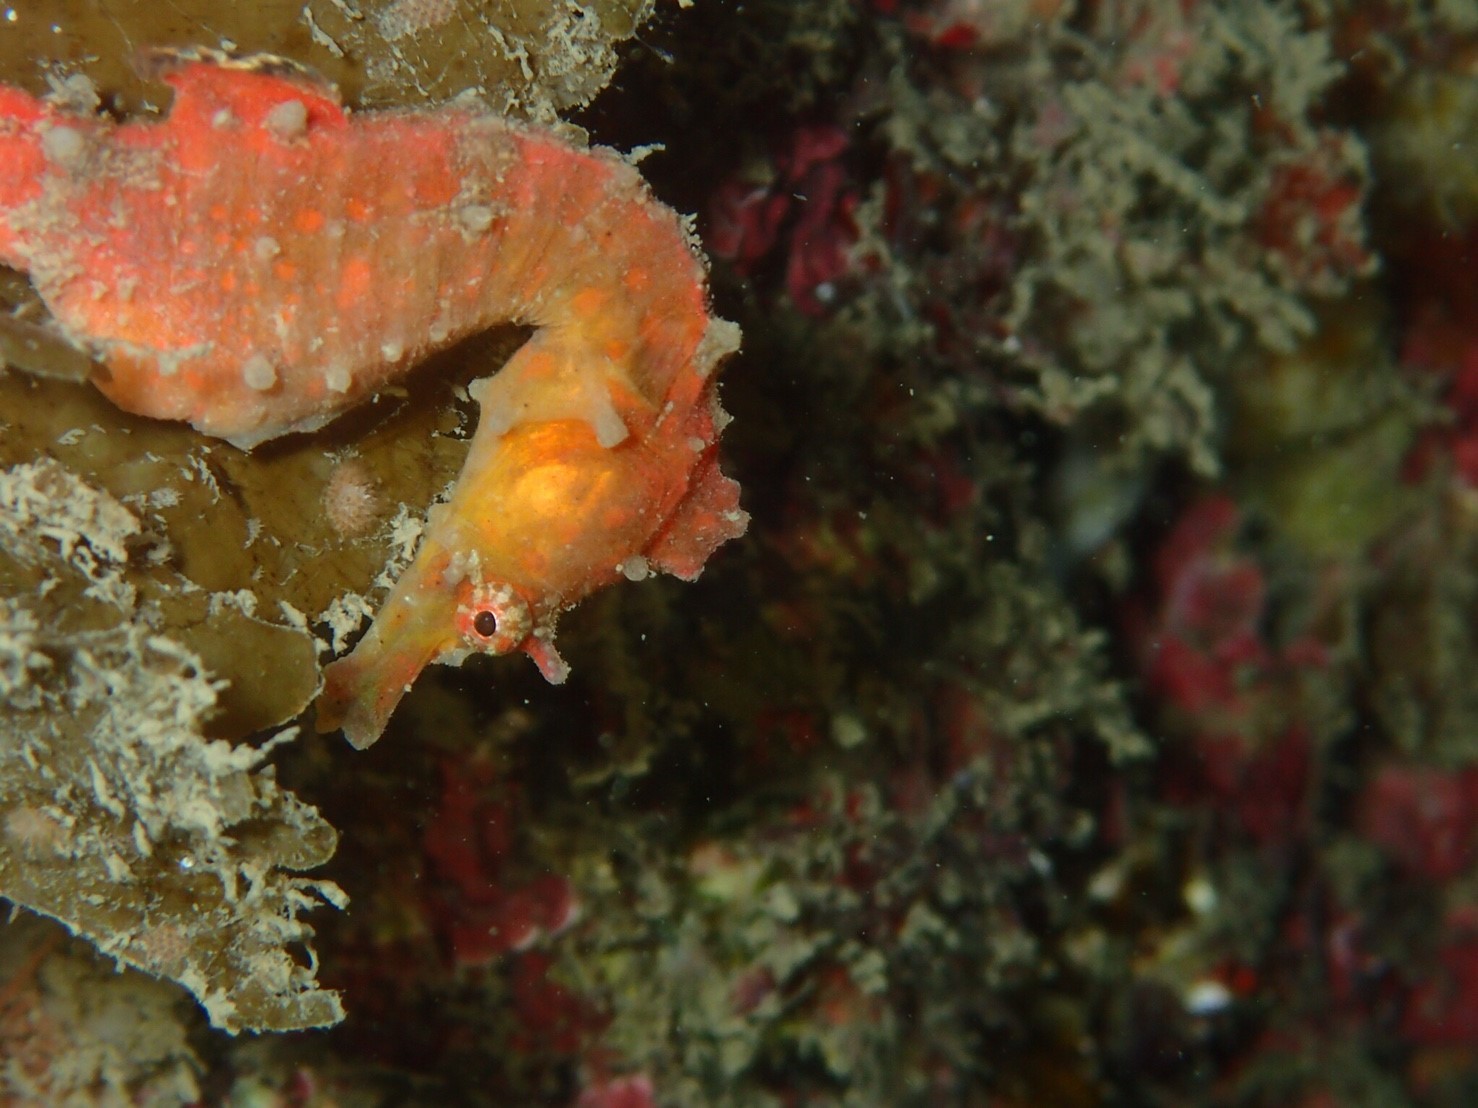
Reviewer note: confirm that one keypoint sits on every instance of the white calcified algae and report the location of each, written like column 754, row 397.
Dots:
column 169, row 851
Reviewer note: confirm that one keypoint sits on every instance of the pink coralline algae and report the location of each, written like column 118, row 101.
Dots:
column 1264, row 786
column 1425, row 819
column 1460, row 437
column 1206, row 661
column 479, row 909
column 622, row 1092
column 1442, row 1008
column 1311, row 221
column 1205, row 628
column 1441, row 345
column 551, row 1018
column 805, row 211
column 1201, row 646
column 966, row 24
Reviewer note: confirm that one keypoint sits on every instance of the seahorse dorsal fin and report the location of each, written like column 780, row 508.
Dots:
column 708, row 516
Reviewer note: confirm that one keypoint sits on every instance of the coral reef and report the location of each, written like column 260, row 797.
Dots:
column 1087, row 717
column 1171, row 202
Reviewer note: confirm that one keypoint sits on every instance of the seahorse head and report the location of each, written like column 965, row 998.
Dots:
column 492, row 618
column 440, row 611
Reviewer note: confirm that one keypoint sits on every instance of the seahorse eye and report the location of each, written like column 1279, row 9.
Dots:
column 494, row 619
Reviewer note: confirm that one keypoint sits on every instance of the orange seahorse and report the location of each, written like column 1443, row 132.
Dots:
column 261, row 260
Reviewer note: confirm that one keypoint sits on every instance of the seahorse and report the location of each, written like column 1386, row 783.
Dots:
column 261, row 260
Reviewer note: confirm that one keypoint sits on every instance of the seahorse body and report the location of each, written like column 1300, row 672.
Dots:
column 260, row 261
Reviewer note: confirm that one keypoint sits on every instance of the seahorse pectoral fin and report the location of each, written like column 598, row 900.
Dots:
column 550, row 378
column 540, row 648
column 708, row 516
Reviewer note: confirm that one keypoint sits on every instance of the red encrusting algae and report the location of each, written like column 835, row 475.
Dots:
column 260, row 261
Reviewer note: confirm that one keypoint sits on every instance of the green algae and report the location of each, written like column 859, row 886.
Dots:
column 1318, row 435
column 1424, row 146
column 1423, row 642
